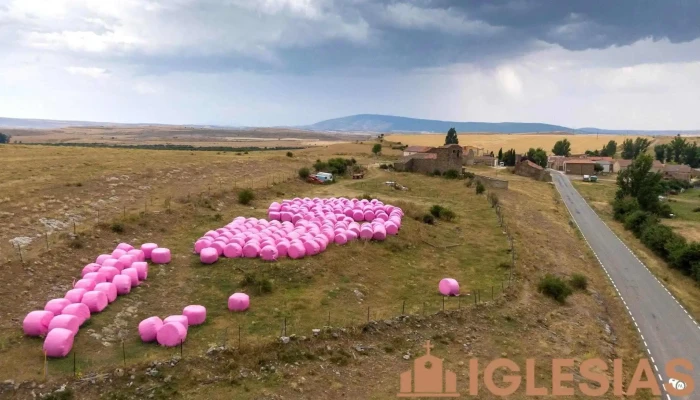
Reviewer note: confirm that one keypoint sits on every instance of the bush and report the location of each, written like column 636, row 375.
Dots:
column 696, row 209
column 436, row 172
column 290, row 154
column 554, row 287
column 624, row 206
column 655, row 236
column 469, row 182
column 469, row 175
column 436, row 210
column 685, row 257
column 480, row 188
column 304, row 173
column 320, row 166
column 338, row 166
column 493, row 199
column 428, row 219
column 258, row 286
column 117, row 227
column 245, row 196
column 665, row 210
column 383, row 166
column 637, row 220
column 447, row 215
column 366, row 196
column 451, row 174
column 579, row 282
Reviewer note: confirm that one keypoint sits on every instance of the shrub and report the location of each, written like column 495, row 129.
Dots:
column 436, row 210
column 304, row 173
column 493, row 199
column 469, row 182
column 685, row 257
column 579, row 282
column 245, row 196
column 624, row 206
column 447, row 215
column 117, row 227
column 436, row 172
column 366, row 196
column 451, row 174
column 665, row 210
column 338, row 166
column 257, row 285
column 428, row 219
column 320, row 166
column 655, row 236
column 469, row 175
column 696, row 209
column 637, row 220
column 353, row 161
column 77, row 242
column 480, row 188
column 554, row 287
column 383, row 166
column 290, row 154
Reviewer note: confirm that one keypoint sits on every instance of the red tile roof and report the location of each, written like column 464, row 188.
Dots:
column 417, row 149
column 581, row 161
column 532, row 164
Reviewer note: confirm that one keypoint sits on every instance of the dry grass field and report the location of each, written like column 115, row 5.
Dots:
column 520, row 142
column 354, row 359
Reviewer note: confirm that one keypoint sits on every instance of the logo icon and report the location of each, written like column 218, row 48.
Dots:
column 426, row 379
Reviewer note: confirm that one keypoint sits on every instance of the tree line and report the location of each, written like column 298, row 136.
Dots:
column 4, row 138
column 679, row 151
column 166, row 147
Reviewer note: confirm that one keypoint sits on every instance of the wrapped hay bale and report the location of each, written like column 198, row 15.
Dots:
column 102, row 257
column 449, row 287
column 118, row 253
column 80, row 310
column 251, row 249
column 379, row 232
column 269, row 253
column 366, row 232
column 58, row 343
column 171, row 334
column 36, row 323
column 113, row 262
column 109, row 289
column 92, row 267
column 209, row 255
column 109, row 272
column 147, row 248
column 218, row 246
column 137, row 254
column 391, row 228
column 196, row 314
column 177, row 318
column 233, row 250
column 125, row 246
column 352, row 235
column 56, row 306
column 96, row 301
column 98, row 277
column 127, row 260
column 148, row 328
column 75, row 295
column 123, row 284
column 201, row 244
column 311, row 247
column 142, row 268
column 65, row 321
column 160, row 255
column 133, row 275
column 282, row 247
column 238, row 302
column 340, row 238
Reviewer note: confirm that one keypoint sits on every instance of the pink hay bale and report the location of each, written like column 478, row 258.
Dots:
column 251, row 250
column 123, row 284
column 109, row 289
column 238, row 302
column 274, row 215
column 352, row 235
column 201, row 244
column 218, row 246
column 127, row 260
column 80, row 310
column 109, row 272
column 137, row 254
column 391, row 228
column 296, row 249
column 209, row 255
column 212, row 234
column 269, row 253
column 142, row 269
column 357, row 215
column 147, row 248
column 340, row 238
column 379, row 232
column 102, row 257
column 75, row 295
column 148, row 328
column 92, row 267
column 95, row 300
column 118, row 253
column 282, row 247
column 160, row 255
column 182, row 319
column 285, row 216
column 196, row 314
column 133, row 275
column 36, row 323
column 70, row 322
column 366, row 233
column 449, row 287
column 58, row 343
column 312, row 248
column 125, row 246
column 171, row 334
column 98, row 277
column 113, row 262
column 87, row 284
column 233, row 250
column 368, row 215
column 56, row 306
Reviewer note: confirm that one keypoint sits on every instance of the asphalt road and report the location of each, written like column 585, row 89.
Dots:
column 666, row 328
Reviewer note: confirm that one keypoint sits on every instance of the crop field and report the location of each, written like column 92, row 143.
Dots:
column 239, row 354
column 520, row 142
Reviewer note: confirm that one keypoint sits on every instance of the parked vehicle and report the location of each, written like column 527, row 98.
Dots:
column 586, row 178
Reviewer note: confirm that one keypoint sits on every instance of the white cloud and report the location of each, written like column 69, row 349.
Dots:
column 509, row 81
column 408, row 16
column 92, row 72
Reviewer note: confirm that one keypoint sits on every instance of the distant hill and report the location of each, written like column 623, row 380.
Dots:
column 388, row 123
column 28, row 123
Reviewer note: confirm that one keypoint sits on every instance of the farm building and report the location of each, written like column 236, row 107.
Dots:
column 579, row 167
column 530, row 169
column 656, row 166
column 556, row 162
column 443, row 158
column 608, row 166
column 411, row 150
column 682, row 172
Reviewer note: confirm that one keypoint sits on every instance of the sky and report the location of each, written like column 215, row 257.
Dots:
column 623, row 64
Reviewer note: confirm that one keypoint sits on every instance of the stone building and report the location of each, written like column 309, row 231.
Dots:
column 443, row 158
column 532, row 170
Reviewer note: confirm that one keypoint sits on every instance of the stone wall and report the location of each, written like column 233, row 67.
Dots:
column 492, row 183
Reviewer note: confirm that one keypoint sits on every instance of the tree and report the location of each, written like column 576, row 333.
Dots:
column 627, row 149
column 597, row 167
column 538, row 156
column 640, row 146
column 691, row 155
column 4, row 138
column 451, row 137
column 592, row 153
column 610, row 149
column 639, row 182
column 660, row 152
column 509, row 158
column 562, row 148
column 376, row 149
column 678, row 145
column 500, row 154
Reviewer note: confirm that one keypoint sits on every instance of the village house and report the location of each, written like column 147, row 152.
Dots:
column 682, row 172
column 443, row 159
column 579, row 167
column 411, row 150
column 656, row 166
column 608, row 166
column 531, row 170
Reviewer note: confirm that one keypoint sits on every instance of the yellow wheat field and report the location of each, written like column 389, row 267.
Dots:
column 519, row 142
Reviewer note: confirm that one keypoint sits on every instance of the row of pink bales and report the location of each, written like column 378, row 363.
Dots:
column 111, row 275
column 300, row 227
